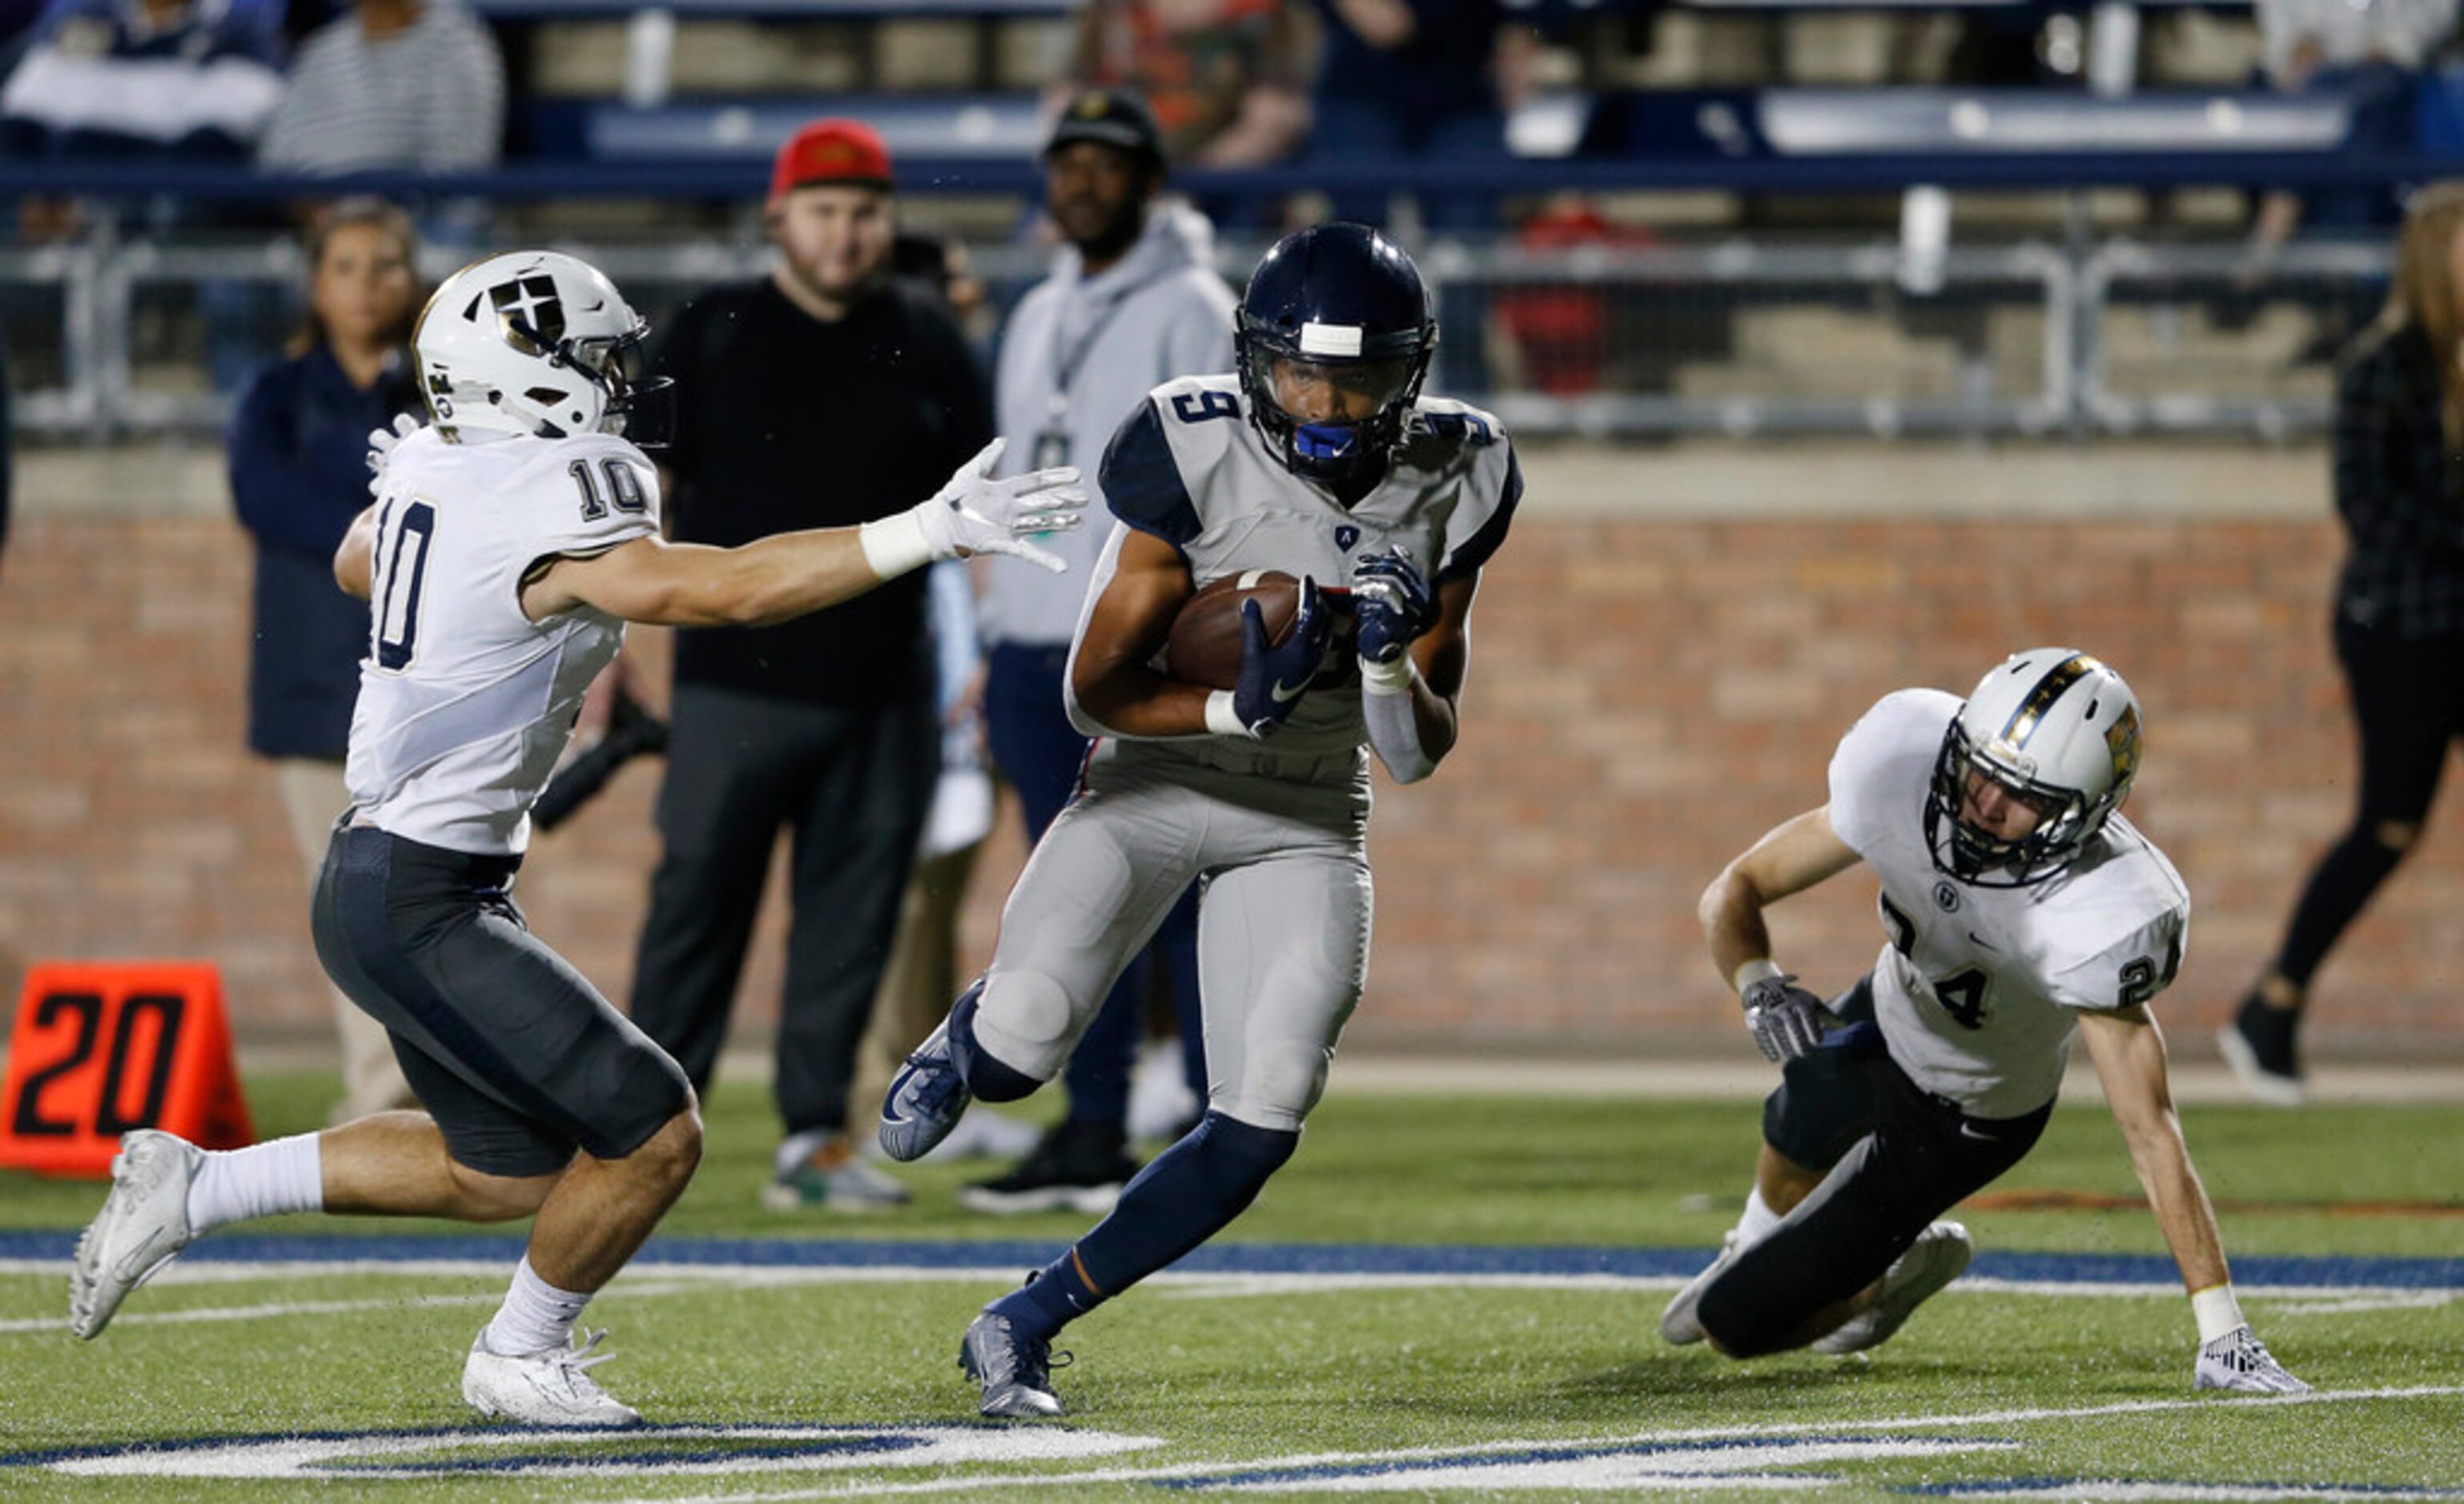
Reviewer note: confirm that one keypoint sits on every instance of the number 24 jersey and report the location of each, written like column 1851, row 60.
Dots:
column 465, row 703
column 1978, row 989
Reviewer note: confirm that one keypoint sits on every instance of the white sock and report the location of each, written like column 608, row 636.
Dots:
column 1758, row 1221
column 536, row 1318
column 259, row 1181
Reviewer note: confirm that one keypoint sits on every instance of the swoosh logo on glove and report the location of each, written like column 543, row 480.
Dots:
column 1284, row 696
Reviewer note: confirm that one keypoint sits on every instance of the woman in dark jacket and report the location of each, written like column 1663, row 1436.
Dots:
column 2399, row 458
column 298, row 474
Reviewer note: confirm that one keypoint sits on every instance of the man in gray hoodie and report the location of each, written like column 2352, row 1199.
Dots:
column 1134, row 300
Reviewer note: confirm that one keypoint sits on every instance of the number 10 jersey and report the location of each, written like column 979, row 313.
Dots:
column 465, row 703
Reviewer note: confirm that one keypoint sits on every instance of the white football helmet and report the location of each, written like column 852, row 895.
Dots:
column 2056, row 729
column 533, row 342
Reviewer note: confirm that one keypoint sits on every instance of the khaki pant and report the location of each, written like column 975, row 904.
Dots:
column 312, row 796
column 920, row 980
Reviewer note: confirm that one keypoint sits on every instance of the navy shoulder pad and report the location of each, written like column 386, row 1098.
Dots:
column 1142, row 482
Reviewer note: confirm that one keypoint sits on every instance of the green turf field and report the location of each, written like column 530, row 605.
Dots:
column 1431, row 1385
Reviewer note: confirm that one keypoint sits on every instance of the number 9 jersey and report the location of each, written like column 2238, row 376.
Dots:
column 465, row 703
column 1977, row 989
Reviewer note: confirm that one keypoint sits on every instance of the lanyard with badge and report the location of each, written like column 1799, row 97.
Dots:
column 1053, row 444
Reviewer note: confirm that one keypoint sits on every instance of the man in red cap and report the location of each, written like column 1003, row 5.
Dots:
column 822, row 389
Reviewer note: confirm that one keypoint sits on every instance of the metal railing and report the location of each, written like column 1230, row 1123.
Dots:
column 111, row 337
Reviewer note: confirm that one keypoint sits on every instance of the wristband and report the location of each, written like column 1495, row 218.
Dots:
column 2219, row 1314
column 1389, row 678
column 1754, row 971
column 1222, row 719
column 895, row 545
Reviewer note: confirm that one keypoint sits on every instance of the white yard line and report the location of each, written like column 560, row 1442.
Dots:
column 1338, row 1459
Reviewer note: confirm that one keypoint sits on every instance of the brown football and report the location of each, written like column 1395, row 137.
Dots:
column 1204, row 647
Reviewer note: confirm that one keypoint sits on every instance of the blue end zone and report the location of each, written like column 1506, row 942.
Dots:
column 1266, row 1258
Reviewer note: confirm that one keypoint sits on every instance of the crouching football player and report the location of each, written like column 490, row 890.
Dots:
column 2021, row 907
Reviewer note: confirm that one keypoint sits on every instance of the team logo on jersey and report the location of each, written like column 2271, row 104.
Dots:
column 529, row 306
column 1344, row 536
column 1946, row 897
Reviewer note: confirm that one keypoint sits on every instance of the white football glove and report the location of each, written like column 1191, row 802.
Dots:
column 975, row 514
column 2239, row 1361
column 381, row 443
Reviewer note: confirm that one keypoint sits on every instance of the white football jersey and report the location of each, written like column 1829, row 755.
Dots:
column 1191, row 469
column 465, row 703
column 1977, row 991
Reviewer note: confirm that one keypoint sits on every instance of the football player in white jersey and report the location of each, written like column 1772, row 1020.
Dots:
column 1318, row 459
column 509, row 543
column 2020, row 906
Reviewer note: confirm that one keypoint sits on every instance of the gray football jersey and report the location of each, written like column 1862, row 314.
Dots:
column 1189, row 468
column 466, row 703
column 1977, row 989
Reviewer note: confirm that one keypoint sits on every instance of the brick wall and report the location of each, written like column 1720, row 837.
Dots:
column 1647, row 694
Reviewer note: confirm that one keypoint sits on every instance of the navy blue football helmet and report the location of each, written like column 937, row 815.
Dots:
column 1335, row 307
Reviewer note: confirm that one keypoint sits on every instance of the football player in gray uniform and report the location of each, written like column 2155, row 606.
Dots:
column 508, row 544
column 1318, row 457
column 2019, row 907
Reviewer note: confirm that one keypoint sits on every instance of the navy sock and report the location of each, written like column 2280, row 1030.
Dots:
column 986, row 1078
column 1189, row 1193
column 1057, row 1295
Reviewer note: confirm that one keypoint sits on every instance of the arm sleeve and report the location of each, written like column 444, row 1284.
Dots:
column 283, row 497
column 1395, row 735
column 1142, row 481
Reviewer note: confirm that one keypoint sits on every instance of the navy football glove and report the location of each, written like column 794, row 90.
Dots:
column 1274, row 678
column 1785, row 1019
column 1391, row 604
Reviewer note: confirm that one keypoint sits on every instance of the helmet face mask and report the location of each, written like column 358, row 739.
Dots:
column 2056, row 734
column 1333, row 339
column 536, row 343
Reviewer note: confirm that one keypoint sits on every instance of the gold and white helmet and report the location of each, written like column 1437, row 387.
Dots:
column 2059, row 732
column 532, row 343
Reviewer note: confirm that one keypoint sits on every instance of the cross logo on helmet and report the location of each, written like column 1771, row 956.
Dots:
column 531, row 311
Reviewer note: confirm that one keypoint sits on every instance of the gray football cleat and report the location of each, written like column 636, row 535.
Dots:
column 142, row 1226
column 1678, row 1326
column 1015, row 1371
column 929, row 1095
column 550, row 1389
column 1938, row 1255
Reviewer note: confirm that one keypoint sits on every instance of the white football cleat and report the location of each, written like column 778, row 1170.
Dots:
column 1678, row 1326
column 2238, row 1360
column 142, row 1226
column 1938, row 1255
column 547, row 1388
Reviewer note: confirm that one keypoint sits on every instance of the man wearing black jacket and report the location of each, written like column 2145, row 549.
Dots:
column 814, row 397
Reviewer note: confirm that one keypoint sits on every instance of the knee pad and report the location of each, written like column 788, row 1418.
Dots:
column 1023, row 1019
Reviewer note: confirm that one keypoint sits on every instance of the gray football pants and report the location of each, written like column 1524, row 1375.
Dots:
column 1283, row 927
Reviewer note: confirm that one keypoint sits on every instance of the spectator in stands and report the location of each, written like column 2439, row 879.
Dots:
column 1427, row 81
column 1134, row 300
column 827, row 726
column 404, row 84
column 166, row 79
column 298, row 474
column 2399, row 618
column 1224, row 79
column 2372, row 53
